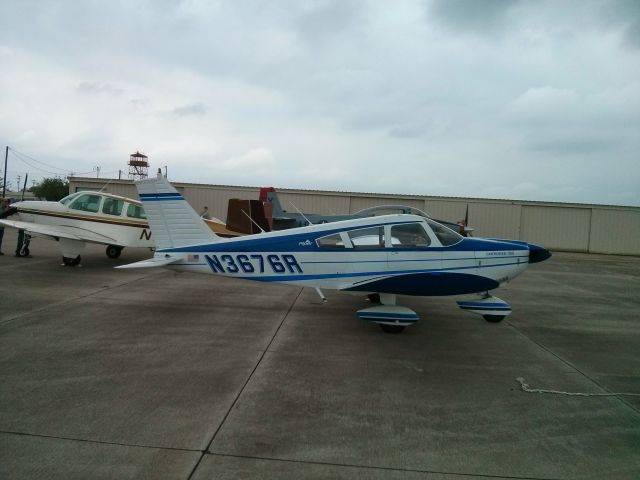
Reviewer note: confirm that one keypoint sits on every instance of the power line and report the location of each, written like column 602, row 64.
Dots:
column 37, row 168
column 20, row 154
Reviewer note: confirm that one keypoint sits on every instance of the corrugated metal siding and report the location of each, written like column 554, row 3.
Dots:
column 314, row 203
column 444, row 210
column 495, row 220
column 614, row 231
column 217, row 199
column 557, row 227
column 576, row 227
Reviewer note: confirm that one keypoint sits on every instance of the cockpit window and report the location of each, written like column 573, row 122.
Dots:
column 367, row 238
column 331, row 241
column 68, row 198
column 135, row 211
column 112, row 206
column 409, row 235
column 445, row 235
column 86, row 203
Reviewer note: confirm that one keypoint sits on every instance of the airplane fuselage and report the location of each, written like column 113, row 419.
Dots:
column 117, row 230
column 468, row 265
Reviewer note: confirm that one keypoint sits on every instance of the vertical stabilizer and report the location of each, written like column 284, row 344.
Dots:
column 172, row 220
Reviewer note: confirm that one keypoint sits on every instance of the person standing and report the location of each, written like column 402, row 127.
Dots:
column 205, row 213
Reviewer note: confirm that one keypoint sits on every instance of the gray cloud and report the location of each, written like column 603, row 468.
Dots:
column 483, row 17
column 623, row 15
column 191, row 109
column 98, row 88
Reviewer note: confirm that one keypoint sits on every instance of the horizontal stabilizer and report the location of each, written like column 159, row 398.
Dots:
column 152, row 262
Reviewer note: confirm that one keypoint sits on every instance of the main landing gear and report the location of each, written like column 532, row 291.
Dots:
column 71, row 261
column 113, row 251
column 23, row 249
column 392, row 318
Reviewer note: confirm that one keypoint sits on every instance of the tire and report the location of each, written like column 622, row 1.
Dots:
column 392, row 328
column 113, row 251
column 494, row 318
column 71, row 262
column 24, row 252
column 374, row 297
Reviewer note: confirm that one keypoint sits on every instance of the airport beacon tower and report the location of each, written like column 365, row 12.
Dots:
column 138, row 166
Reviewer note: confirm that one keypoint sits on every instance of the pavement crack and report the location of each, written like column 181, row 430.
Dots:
column 97, row 442
column 249, row 377
column 374, row 467
column 70, row 300
column 576, row 369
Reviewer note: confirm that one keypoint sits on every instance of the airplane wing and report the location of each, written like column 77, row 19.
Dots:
column 151, row 262
column 57, row 232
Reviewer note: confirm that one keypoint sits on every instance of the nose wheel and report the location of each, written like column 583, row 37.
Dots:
column 492, row 309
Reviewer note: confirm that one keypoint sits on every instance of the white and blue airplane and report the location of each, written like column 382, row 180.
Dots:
column 381, row 256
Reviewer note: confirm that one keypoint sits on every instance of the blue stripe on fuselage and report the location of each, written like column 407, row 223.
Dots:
column 385, row 273
column 291, row 243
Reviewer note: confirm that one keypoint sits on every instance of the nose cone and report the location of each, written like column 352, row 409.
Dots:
column 537, row 253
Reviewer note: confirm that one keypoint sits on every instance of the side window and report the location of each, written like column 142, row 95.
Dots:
column 331, row 241
column 409, row 235
column 135, row 211
column 112, row 206
column 367, row 238
column 445, row 235
column 87, row 203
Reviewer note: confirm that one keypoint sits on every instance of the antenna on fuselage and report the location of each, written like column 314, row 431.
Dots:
column 253, row 221
column 105, row 185
column 298, row 210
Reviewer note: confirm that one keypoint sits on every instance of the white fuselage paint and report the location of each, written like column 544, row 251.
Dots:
column 308, row 265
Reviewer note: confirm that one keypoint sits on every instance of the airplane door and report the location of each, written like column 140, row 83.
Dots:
column 367, row 257
column 411, row 250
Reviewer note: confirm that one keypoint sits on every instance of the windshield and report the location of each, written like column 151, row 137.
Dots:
column 445, row 235
column 68, row 198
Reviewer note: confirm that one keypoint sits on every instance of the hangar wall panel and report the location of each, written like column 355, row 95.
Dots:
column 451, row 211
column 217, row 199
column 495, row 220
column 124, row 190
column 556, row 227
column 314, row 202
column 615, row 231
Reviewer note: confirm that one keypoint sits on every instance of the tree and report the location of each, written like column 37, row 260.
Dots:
column 51, row 189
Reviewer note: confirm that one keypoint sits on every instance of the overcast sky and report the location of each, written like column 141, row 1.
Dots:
column 513, row 99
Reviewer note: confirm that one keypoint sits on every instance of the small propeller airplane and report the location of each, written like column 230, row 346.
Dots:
column 384, row 256
column 87, row 216
column 282, row 219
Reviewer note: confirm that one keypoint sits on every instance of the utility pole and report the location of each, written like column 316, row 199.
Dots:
column 97, row 172
column 119, row 174
column 4, row 182
column 26, row 177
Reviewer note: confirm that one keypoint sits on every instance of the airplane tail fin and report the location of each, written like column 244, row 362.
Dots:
column 269, row 195
column 172, row 220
